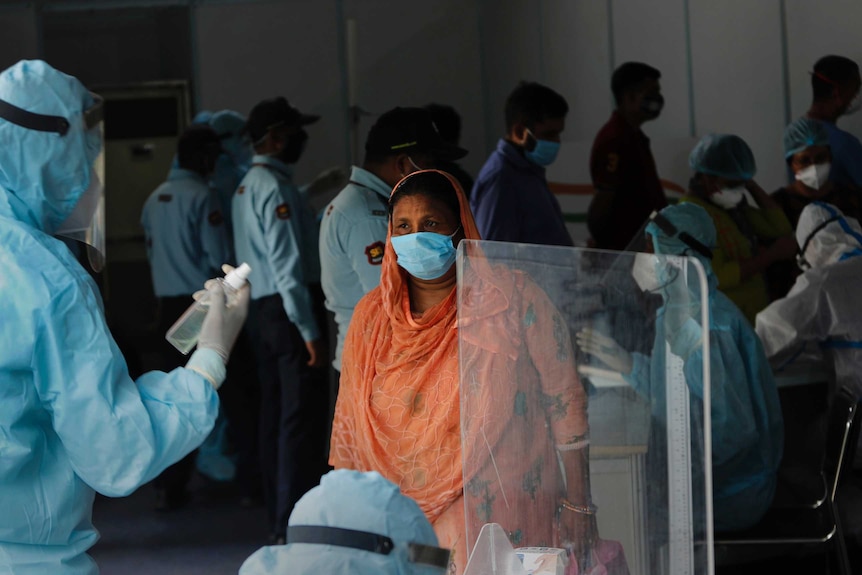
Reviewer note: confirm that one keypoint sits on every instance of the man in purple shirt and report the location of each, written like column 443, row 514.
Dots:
column 511, row 200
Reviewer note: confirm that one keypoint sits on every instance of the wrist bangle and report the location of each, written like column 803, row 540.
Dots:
column 588, row 509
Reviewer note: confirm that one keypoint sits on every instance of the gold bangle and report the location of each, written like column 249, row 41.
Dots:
column 588, row 509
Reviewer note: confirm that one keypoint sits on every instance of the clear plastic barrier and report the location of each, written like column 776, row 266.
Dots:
column 583, row 381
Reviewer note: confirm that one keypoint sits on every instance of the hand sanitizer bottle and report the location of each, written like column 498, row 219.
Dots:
column 183, row 335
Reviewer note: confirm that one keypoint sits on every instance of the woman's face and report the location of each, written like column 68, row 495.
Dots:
column 420, row 213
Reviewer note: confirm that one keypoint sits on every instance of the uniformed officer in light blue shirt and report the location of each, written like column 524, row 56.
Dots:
column 354, row 225
column 186, row 245
column 276, row 232
column 183, row 225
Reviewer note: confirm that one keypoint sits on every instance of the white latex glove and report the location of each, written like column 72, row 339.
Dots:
column 606, row 349
column 222, row 324
column 335, row 177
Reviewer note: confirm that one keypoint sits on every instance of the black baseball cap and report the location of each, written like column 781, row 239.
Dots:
column 274, row 113
column 405, row 130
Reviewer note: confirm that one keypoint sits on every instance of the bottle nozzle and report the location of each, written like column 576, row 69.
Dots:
column 239, row 276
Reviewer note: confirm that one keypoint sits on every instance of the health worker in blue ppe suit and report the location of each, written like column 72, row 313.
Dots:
column 820, row 315
column 276, row 232
column 747, row 429
column 72, row 421
column 357, row 523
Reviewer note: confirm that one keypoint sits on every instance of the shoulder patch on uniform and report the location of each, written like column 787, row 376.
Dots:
column 216, row 218
column 240, row 190
column 165, row 197
column 374, row 252
column 329, row 209
column 282, row 212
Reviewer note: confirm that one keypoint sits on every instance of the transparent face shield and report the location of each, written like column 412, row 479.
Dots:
column 86, row 223
column 584, row 410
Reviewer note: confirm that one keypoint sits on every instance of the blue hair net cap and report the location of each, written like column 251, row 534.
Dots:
column 351, row 500
column 227, row 122
column 723, row 155
column 802, row 133
column 686, row 217
column 44, row 174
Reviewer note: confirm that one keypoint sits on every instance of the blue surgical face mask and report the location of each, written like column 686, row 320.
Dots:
column 544, row 153
column 425, row 255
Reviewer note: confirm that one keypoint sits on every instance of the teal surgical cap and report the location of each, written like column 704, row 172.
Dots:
column 687, row 218
column 723, row 155
column 803, row 133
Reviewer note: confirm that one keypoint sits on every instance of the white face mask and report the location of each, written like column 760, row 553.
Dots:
column 815, row 175
column 728, row 198
column 643, row 271
column 855, row 105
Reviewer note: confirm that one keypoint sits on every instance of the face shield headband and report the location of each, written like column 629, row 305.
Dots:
column 366, row 541
column 670, row 230
column 93, row 116
column 86, row 222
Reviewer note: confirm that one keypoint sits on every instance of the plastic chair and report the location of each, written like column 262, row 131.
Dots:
column 788, row 529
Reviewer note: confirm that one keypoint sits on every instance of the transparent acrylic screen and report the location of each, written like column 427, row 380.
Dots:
column 582, row 405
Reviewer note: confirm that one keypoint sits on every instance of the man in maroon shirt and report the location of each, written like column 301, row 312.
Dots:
column 627, row 187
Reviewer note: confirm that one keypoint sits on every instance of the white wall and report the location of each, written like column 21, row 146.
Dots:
column 471, row 53
column 247, row 52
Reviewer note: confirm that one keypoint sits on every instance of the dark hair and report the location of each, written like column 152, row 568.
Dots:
column 447, row 120
column 432, row 185
column 531, row 103
column 197, row 145
column 630, row 76
column 831, row 72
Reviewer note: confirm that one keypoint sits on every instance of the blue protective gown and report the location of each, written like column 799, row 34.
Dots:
column 747, row 425
column 72, row 421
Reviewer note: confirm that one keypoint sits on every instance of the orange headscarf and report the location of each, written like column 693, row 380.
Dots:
column 398, row 404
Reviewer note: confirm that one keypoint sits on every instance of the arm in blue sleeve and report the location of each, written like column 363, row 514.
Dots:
column 851, row 157
column 733, row 423
column 283, row 245
column 118, row 434
column 496, row 211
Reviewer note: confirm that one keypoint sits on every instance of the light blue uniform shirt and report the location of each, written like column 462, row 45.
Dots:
column 275, row 232
column 352, row 239
column 185, row 233
column 846, row 156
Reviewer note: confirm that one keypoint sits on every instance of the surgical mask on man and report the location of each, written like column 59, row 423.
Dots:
column 815, row 175
column 544, row 153
column 644, row 272
column 425, row 255
column 652, row 106
column 728, row 198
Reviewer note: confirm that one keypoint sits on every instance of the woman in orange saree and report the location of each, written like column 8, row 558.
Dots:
column 398, row 409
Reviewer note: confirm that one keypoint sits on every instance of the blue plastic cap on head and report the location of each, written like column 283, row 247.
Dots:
column 723, row 155
column 802, row 133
